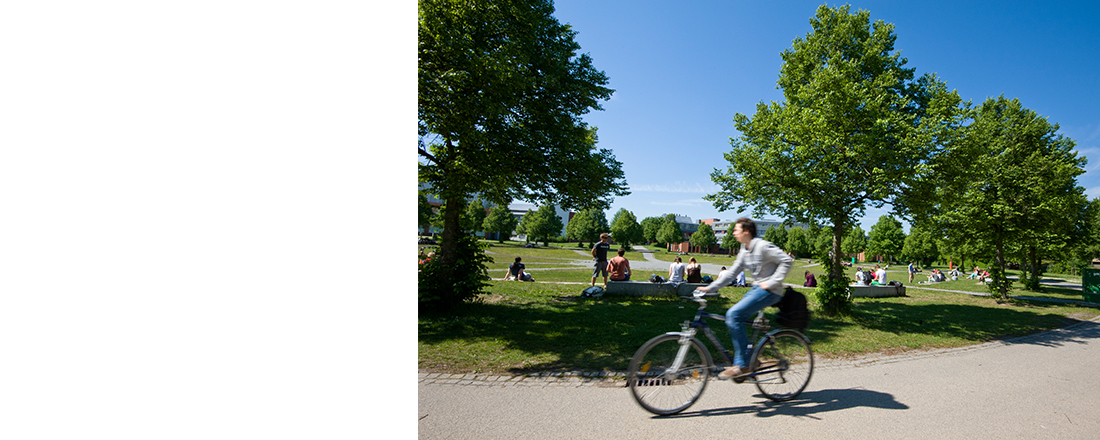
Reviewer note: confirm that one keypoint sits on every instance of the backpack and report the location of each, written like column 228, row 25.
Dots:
column 593, row 292
column 656, row 279
column 792, row 310
column 707, row 279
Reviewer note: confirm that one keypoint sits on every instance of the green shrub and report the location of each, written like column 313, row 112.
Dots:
column 441, row 287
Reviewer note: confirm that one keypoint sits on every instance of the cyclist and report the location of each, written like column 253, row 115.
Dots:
column 769, row 266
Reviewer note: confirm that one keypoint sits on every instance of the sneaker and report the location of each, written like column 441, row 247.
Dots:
column 732, row 372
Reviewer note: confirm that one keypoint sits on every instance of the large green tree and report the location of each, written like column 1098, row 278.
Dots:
column 854, row 242
column 542, row 224
column 921, row 245
column 625, row 229
column 798, row 242
column 853, row 128
column 1012, row 182
column 501, row 221
column 703, row 237
column 650, row 226
column 777, row 235
column 586, row 226
column 670, row 231
column 501, row 91
column 886, row 239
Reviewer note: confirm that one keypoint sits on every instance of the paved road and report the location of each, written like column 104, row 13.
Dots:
column 1043, row 386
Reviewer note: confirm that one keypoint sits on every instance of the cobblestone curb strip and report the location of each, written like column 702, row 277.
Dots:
column 608, row 379
column 562, row 379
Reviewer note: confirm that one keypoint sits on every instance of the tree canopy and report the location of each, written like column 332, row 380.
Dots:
column 1011, row 182
column 625, row 229
column 853, row 130
column 587, row 225
column 703, row 237
column 501, row 221
column 887, row 238
column 501, row 90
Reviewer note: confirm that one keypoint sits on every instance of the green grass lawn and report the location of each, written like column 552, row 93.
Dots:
column 521, row 327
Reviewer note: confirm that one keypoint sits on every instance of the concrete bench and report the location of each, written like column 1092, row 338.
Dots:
column 873, row 291
column 646, row 288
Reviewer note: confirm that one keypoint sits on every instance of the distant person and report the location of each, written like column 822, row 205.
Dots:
column 599, row 256
column 810, row 280
column 429, row 258
column 739, row 281
column 912, row 271
column 977, row 273
column 619, row 267
column 864, row 276
column 676, row 271
column 515, row 271
column 694, row 271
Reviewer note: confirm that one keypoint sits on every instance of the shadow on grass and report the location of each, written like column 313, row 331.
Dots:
column 603, row 334
column 962, row 321
column 581, row 333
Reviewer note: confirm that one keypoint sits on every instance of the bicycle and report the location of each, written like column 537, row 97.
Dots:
column 669, row 372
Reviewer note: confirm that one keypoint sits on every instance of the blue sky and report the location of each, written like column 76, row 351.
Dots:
column 681, row 70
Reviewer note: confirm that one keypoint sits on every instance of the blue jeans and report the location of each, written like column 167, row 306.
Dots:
column 755, row 300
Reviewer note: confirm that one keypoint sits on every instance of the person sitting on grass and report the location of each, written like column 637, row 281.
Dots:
column 977, row 273
column 515, row 271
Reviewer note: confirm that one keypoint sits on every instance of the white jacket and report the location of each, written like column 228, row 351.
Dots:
column 764, row 260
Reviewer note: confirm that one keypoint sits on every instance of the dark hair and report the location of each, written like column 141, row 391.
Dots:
column 517, row 259
column 678, row 259
column 747, row 225
column 622, row 251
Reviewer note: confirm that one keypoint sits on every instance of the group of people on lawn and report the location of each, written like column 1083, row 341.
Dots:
column 618, row 268
column 871, row 278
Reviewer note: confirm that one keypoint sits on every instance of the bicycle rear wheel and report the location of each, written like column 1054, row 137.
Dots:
column 659, row 389
column 783, row 364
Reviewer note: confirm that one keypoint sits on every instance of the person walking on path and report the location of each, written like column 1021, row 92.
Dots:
column 912, row 270
column 619, row 267
column 599, row 255
column 769, row 266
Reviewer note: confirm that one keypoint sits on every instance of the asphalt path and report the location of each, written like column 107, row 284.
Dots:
column 1042, row 386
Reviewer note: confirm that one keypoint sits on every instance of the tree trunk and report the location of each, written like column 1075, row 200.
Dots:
column 452, row 230
column 1036, row 268
column 838, row 236
column 1000, row 279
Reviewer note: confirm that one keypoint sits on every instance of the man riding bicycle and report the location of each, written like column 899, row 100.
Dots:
column 769, row 266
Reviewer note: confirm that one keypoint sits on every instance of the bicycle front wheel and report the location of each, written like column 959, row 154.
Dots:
column 783, row 364
column 659, row 388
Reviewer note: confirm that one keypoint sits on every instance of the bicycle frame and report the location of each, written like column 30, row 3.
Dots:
column 690, row 328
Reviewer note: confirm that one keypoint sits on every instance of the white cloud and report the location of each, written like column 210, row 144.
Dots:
column 677, row 187
column 1093, row 192
column 683, row 202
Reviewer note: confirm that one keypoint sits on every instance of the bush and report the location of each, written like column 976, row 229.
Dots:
column 832, row 294
column 441, row 286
